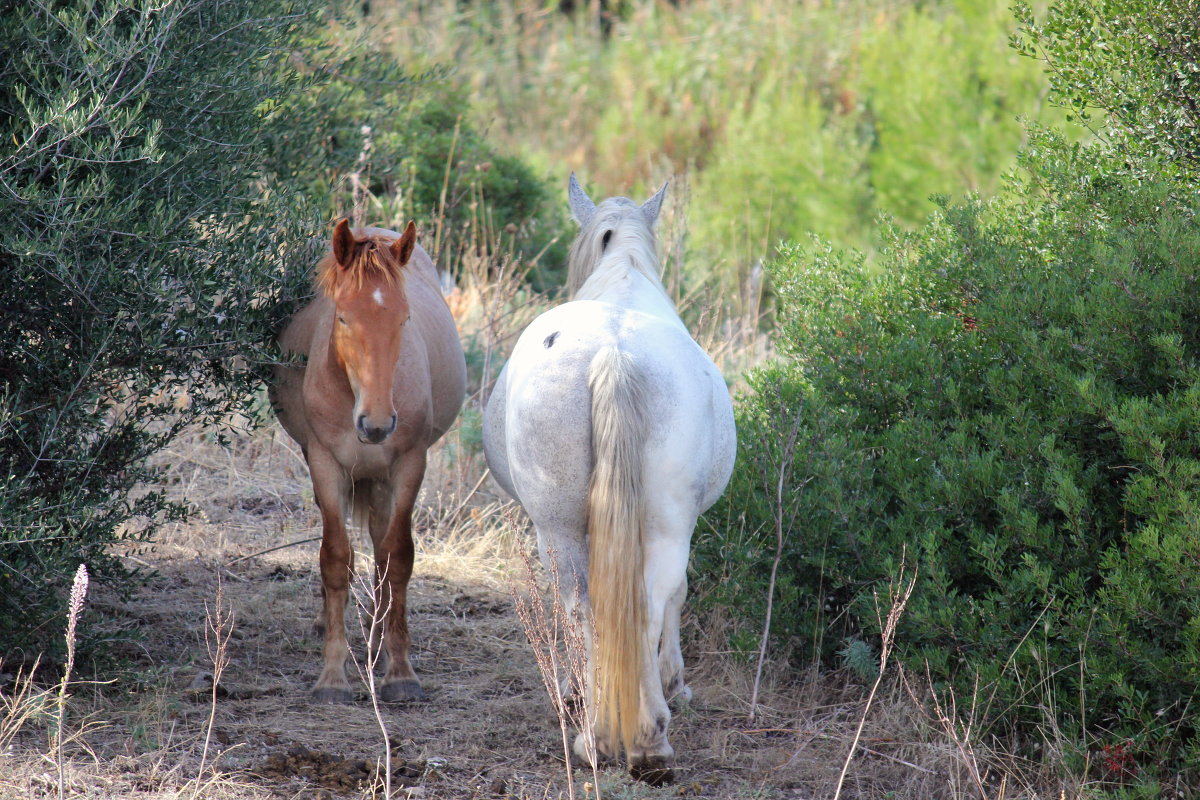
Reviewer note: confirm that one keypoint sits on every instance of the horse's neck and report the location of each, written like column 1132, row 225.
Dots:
column 627, row 287
column 323, row 354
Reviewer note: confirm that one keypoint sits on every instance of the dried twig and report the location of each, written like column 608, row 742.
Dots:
column 560, row 650
column 218, row 628
column 898, row 592
column 782, row 471
column 240, row 559
column 361, row 588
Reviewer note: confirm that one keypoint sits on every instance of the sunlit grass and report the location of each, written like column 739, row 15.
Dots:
column 788, row 118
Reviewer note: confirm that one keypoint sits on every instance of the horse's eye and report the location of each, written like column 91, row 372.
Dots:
column 604, row 241
column 341, row 320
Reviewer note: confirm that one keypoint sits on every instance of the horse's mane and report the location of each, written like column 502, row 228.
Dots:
column 631, row 241
column 372, row 255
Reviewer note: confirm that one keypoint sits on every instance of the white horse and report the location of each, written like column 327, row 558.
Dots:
column 615, row 431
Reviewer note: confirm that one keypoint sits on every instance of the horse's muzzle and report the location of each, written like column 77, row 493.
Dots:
column 371, row 434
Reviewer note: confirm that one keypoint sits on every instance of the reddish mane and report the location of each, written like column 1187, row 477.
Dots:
column 371, row 256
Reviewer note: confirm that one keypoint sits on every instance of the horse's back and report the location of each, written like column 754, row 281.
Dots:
column 542, row 444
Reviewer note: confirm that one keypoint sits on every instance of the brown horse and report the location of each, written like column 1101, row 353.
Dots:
column 384, row 379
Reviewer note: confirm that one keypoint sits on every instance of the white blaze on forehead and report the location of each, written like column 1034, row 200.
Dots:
column 378, row 295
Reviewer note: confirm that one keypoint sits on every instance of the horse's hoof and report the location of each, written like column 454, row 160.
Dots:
column 593, row 754
column 402, row 691
column 652, row 770
column 584, row 752
column 681, row 699
column 332, row 694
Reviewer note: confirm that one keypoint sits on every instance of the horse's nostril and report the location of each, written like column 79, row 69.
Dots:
column 372, row 432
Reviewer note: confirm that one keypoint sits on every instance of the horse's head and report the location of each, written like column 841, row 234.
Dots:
column 617, row 225
column 364, row 279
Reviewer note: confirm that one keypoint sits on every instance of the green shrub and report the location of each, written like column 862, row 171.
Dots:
column 1009, row 405
column 142, row 263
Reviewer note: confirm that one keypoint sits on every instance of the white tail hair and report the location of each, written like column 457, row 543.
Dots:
column 616, row 519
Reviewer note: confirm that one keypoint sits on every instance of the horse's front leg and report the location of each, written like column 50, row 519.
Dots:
column 337, row 563
column 393, row 568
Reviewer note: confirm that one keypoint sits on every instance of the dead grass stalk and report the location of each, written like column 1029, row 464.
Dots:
column 368, row 595
column 899, row 590
column 783, row 471
column 560, row 650
column 218, row 628
column 22, row 703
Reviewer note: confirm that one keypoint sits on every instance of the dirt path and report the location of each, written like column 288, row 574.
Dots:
column 487, row 728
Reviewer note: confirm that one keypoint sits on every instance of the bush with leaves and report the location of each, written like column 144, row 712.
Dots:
column 1137, row 61
column 143, row 262
column 1012, row 406
column 396, row 148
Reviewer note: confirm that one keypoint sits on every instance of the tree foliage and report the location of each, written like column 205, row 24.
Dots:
column 142, row 262
column 1137, row 61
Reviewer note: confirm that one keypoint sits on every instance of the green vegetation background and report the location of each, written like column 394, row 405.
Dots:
column 776, row 119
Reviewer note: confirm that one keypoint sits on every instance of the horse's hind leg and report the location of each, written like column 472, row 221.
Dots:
column 563, row 555
column 394, row 552
column 336, row 566
column 666, row 582
column 670, row 656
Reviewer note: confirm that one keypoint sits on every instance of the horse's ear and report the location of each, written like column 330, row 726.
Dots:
column 582, row 206
column 402, row 248
column 651, row 207
column 343, row 244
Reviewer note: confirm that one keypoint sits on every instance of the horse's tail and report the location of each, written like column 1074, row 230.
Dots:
column 615, row 532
